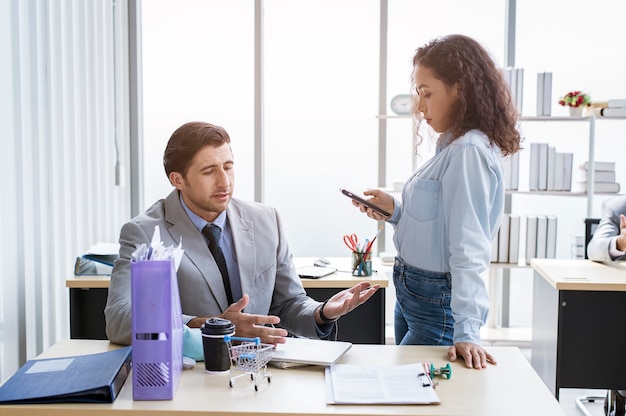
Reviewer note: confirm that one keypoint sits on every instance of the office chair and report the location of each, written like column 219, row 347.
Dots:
column 614, row 401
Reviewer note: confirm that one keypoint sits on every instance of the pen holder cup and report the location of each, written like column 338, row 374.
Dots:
column 361, row 264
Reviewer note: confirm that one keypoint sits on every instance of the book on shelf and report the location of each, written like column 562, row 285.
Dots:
column 604, row 187
column 531, row 237
column 599, row 165
column 616, row 102
column 598, row 176
column 551, row 185
column 551, row 236
column 503, row 239
column 515, row 79
column 538, row 180
column 544, row 93
column 542, row 182
column 568, row 163
column 613, row 112
column 514, row 234
column 505, row 245
column 542, row 236
column 494, row 247
column 611, row 108
column 559, row 171
column 510, row 167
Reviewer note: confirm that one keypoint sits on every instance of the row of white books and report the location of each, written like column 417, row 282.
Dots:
column 549, row 170
column 540, row 238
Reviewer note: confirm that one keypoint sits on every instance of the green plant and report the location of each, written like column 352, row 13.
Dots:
column 575, row 99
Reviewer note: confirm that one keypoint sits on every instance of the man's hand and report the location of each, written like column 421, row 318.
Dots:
column 248, row 325
column 474, row 355
column 347, row 300
column 620, row 243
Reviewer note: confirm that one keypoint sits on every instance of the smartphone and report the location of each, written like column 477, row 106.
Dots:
column 365, row 202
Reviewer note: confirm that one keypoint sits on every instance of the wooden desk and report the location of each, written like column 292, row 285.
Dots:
column 511, row 388
column 578, row 338
column 365, row 325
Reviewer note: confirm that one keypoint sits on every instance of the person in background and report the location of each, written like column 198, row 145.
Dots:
column 609, row 239
column 451, row 207
column 259, row 287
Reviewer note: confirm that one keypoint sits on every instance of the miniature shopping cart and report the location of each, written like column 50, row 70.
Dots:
column 249, row 357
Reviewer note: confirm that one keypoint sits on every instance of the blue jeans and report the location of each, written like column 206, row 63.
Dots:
column 422, row 314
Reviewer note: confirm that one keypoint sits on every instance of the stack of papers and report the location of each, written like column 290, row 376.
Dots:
column 382, row 384
column 98, row 261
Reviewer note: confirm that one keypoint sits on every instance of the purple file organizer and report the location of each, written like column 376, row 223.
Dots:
column 157, row 330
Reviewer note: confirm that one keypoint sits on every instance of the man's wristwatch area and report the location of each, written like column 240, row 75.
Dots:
column 322, row 316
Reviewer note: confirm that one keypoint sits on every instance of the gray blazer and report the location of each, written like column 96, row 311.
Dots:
column 267, row 272
column 608, row 229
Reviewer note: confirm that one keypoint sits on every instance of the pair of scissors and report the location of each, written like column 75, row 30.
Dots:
column 352, row 241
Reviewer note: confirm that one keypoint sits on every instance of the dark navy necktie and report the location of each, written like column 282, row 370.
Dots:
column 212, row 233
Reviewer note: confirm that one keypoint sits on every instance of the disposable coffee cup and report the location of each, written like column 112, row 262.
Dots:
column 216, row 358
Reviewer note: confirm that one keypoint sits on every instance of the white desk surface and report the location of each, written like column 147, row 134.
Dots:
column 341, row 279
column 581, row 274
column 510, row 388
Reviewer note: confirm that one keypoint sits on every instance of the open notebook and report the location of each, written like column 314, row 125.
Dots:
column 310, row 351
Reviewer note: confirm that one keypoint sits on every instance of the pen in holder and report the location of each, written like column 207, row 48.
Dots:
column 361, row 263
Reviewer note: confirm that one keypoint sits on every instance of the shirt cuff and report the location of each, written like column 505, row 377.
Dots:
column 467, row 333
column 324, row 330
column 613, row 251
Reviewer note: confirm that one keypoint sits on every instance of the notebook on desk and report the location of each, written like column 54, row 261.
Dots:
column 95, row 378
column 310, row 351
column 314, row 272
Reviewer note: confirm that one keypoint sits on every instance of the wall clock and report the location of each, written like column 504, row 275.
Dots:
column 401, row 104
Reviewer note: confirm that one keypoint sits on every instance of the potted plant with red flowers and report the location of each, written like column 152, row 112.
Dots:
column 575, row 101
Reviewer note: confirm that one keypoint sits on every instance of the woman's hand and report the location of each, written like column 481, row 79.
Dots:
column 474, row 355
column 380, row 199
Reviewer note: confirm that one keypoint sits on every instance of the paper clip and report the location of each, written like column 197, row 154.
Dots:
column 425, row 379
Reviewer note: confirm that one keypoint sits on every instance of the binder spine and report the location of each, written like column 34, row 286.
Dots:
column 156, row 330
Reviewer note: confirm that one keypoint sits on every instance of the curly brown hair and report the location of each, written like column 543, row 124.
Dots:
column 484, row 101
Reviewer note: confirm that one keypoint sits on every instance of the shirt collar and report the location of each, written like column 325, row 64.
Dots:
column 443, row 141
column 199, row 222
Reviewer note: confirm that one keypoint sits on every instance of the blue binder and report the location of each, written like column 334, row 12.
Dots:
column 95, row 378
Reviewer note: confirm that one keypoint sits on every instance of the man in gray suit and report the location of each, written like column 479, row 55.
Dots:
column 609, row 239
column 260, row 273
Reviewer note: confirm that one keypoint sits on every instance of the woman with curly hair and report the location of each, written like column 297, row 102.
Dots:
column 451, row 206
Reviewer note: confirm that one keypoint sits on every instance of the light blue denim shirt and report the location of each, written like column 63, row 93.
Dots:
column 449, row 213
